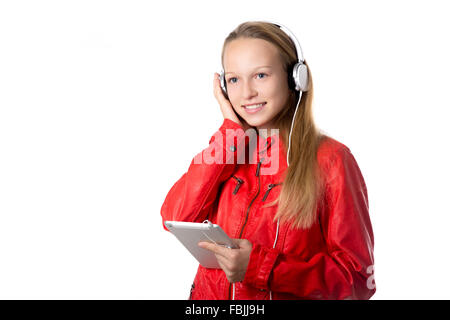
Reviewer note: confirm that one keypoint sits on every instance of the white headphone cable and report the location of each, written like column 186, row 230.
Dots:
column 287, row 159
column 292, row 125
column 274, row 244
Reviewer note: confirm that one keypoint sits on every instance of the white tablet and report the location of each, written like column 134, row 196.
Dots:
column 191, row 233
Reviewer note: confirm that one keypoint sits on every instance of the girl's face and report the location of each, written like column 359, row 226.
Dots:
column 254, row 75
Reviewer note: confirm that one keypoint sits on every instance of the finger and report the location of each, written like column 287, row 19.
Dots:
column 216, row 81
column 218, row 92
column 217, row 78
column 206, row 245
column 213, row 248
column 226, row 266
column 242, row 243
column 218, row 88
column 223, row 263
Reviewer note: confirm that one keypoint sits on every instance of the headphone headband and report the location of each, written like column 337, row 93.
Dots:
column 298, row 48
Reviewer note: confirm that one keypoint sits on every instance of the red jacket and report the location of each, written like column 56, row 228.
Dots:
column 331, row 260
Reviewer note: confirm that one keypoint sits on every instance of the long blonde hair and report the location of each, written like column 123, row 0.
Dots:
column 302, row 188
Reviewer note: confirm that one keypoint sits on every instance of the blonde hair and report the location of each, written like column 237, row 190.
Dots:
column 302, row 188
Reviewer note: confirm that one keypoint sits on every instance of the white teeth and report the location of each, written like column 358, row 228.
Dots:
column 255, row 106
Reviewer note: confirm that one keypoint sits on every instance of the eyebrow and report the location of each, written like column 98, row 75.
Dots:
column 253, row 69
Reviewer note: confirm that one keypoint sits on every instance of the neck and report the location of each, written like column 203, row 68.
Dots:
column 267, row 132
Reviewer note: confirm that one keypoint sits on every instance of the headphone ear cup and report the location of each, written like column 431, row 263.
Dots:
column 290, row 79
column 300, row 77
column 223, row 84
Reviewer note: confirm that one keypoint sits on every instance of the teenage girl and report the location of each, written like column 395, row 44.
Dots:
column 297, row 206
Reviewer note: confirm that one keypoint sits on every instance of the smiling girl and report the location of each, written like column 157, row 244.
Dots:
column 303, row 231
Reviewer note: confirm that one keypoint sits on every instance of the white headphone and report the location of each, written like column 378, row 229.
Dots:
column 299, row 76
column 299, row 71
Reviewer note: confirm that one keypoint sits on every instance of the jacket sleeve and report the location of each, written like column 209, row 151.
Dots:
column 345, row 271
column 192, row 197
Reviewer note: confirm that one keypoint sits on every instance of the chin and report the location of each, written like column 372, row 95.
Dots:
column 256, row 124
column 258, row 120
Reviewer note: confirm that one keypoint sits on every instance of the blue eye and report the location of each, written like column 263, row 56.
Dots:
column 230, row 80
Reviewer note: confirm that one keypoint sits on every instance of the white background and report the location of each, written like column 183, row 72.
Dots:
column 103, row 104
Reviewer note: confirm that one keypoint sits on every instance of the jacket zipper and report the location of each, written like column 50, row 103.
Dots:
column 271, row 185
column 238, row 185
column 192, row 289
column 247, row 214
column 251, row 202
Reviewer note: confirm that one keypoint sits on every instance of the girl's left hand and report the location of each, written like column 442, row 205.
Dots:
column 233, row 262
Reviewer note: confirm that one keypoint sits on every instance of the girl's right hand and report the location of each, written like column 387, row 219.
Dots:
column 225, row 105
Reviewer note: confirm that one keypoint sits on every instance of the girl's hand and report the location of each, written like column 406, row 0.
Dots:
column 225, row 105
column 233, row 262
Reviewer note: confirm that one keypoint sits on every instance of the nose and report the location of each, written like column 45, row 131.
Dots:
column 249, row 91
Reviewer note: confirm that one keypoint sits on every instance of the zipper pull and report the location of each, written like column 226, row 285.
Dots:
column 271, row 185
column 258, row 167
column 267, row 192
column 239, row 182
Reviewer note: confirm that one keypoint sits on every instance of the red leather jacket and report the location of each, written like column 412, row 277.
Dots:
column 331, row 260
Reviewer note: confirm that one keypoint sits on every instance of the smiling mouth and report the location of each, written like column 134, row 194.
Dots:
column 254, row 106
